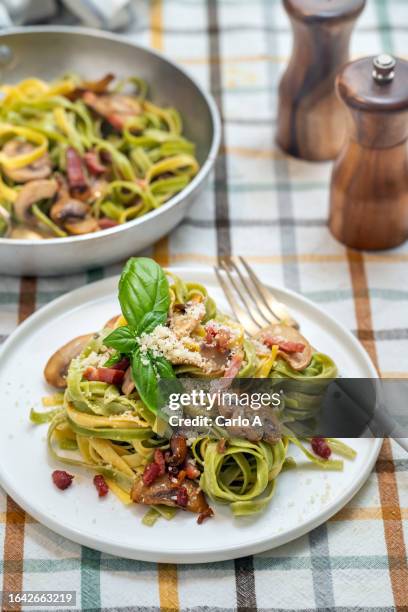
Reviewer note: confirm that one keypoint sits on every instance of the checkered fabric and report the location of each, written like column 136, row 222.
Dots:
column 273, row 210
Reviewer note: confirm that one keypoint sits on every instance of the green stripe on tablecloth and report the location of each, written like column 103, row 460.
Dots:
column 90, row 579
column 91, row 559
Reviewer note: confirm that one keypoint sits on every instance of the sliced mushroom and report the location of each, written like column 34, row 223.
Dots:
column 86, row 226
column 39, row 169
column 164, row 491
column 32, row 192
column 68, row 209
column 57, row 366
column 24, row 233
column 285, row 335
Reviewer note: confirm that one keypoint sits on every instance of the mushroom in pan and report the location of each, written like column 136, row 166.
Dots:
column 67, row 208
column 32, row 192
column 57, row 366
column 84, row 226
column 24, row 233
column 39, row 169
column 73, row 215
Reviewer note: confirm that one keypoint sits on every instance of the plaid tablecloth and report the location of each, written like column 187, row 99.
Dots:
column 273, row 210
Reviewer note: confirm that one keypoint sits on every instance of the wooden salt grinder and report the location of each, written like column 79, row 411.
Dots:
column 310, row 116
column 369, row 186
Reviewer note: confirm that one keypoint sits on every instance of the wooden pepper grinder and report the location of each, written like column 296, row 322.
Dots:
column 310, row 116
column 369, row 187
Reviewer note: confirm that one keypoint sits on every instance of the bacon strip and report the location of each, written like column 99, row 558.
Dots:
column 107, row 375
column 235, row 365
column 285, row 345
column 93, row 163
column 76, row 176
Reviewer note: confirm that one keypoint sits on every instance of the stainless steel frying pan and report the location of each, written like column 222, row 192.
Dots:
column 47, row 52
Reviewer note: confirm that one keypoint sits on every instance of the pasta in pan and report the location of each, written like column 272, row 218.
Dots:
column 79, row 156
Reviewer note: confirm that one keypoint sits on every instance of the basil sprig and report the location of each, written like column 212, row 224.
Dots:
column 144, row 300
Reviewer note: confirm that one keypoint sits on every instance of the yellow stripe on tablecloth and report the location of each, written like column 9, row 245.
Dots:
column 300, row 258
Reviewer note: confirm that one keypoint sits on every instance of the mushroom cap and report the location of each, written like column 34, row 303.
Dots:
column 85, row 226
column 57, row 366
column 39, row 169
column 24, row 233
column 33, row 192
column 67, row 208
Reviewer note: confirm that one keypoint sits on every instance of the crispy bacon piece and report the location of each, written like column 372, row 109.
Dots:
column 159, row 459
column 123, row 364
column 107, row 375
column 234, row 366
column 321, row 448
column 151, row 472
column 93, row 163
column 106, row 223
column 284, row 345
column 293, row 347
column 77, row 180
column 217, row 336
column 62, row 479
column 192, row 472
column 115, row 108
column 182, row 497
column 117, row 121
column 101, row 485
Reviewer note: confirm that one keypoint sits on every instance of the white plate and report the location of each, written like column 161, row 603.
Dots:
column 303, row 500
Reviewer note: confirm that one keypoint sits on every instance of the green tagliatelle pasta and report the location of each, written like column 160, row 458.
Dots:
column 108, row 418
column 243, row 475
column 108, row 147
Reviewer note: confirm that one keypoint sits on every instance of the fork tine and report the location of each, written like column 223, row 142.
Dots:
column 258, row 304
column 276, row 308
column 239, row 313
column 227, row 265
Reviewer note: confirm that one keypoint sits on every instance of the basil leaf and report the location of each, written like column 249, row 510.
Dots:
column 149, row 322
column 115, row 358
column 145, row 379
column 122, row 339
column 144, row 290
column 164, row 367
column 146, row 372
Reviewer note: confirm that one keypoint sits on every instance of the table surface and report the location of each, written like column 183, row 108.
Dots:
column 272, row 209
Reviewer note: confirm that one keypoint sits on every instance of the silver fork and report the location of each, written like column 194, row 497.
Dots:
column 252, row 303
